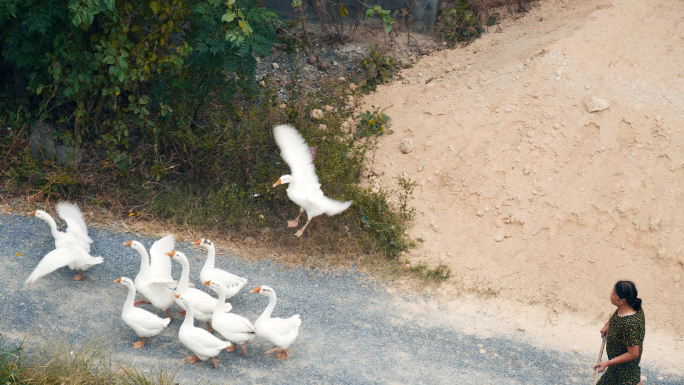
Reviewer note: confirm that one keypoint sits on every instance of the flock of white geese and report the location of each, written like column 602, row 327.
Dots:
column 156, row 284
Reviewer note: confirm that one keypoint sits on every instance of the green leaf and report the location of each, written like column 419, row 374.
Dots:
column 370, row 13
column 155, row 7
column 343, row 11
column 228, row 16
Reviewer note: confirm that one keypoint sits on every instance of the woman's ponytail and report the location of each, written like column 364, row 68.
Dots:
column 627, row 291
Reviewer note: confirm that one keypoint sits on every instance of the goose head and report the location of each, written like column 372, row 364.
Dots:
column 215, row 286
column 204, row 242
column 263, row 290
column 135, row 245
column 178, row 256
column 41, row 214
column 124, row 281
column 285, row 179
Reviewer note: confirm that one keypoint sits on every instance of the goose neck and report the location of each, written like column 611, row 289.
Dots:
column 185, row 275
column 53, row 227
column 272, row 299
column 211, row 257
column 128, row 305
column 144, row 262
column 221, row 303
column 188, row 322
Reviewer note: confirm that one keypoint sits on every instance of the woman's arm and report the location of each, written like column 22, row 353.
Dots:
column 632, row 354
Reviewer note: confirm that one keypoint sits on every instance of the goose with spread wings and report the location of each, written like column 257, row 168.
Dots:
column 304, row 188
column 72, row 247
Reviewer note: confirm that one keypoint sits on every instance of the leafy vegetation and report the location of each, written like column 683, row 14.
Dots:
column 378, row 68
column 459, row 22
column 373, row 123
column 161, row 99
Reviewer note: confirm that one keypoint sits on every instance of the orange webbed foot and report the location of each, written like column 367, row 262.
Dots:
column 191, row 359
column 231, row 348
column 138, row 344
column 140, row 302
column 282, row 355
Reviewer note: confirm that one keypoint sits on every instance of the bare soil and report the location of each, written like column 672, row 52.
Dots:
column 529, row 198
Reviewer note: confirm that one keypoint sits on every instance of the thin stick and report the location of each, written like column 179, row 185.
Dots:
column 599, row 358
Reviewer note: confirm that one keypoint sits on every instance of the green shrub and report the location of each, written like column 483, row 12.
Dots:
column 459, row 23
column 377, row 69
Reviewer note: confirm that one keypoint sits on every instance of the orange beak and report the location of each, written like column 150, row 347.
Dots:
column 32, row 213
column 118, row 280
column 197, row 243
column 257, row 290
column 170, row 254
column 129, row 243
column 207, row 283
column 277, row 183
column 177, row 295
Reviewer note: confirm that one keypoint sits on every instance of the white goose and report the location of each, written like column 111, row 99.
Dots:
column 72, row 248
column 304, row 189
column 77, row 230
column 158, row 293
column 234, row 328
column 144, row 323
column 202, row 302
column 199, row 341
column 280, row 332
column 209, row 272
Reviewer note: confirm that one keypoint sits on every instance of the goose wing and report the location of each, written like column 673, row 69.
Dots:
column 76, row 225
column 295, row 152
column 160, row 263
column 283, row 326
column 146, row 320
column 51, row 261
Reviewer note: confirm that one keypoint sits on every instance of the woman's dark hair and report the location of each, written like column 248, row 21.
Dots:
column 627, row 291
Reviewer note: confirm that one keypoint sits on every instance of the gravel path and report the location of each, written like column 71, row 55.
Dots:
column 353, row 331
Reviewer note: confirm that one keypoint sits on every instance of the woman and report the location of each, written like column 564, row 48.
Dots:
column 625, row 342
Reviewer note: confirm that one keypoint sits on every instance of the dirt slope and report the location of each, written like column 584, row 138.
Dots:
column 525, row 194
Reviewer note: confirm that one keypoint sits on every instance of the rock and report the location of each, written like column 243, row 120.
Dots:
column 479, row 213
column 341, row 79
column 324, row 66
column 69, row 156
column 328, row 108
column 323, row 127
column 420, row 168
column 312, row 59
column 352, row 86
column 406, row 145
column 435, row 228
column 346, row 127
column 42, row 141
column 499, row 236
column 575, row 350
column 596, row 104
column 250, row 240
column 262, row 83
column 283, row 105
column 316, row 114
column 351, row 100
column 275, row 66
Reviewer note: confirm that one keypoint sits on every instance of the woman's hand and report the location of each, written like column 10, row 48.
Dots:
column 604, row 331
column 601, row 367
